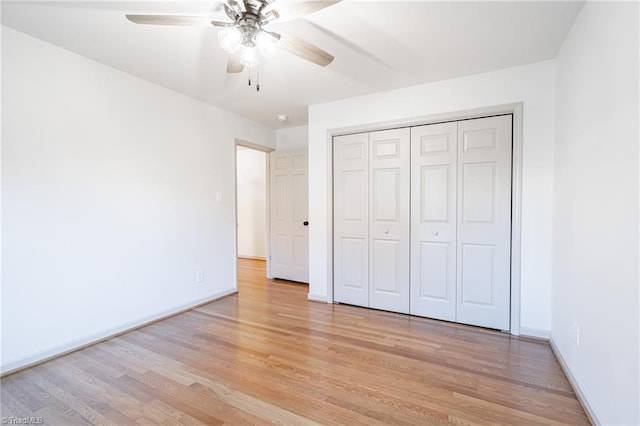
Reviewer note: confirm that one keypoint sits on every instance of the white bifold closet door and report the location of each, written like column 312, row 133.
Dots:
column 484, row 222
column 389, row 220
column 422, row 220
column 351, row 219
column 434, row 166
column 461, row 221
column 371, row 219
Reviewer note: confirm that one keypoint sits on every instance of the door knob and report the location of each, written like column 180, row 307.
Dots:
column 305, row 223
column 435, row 234
column 386, row 231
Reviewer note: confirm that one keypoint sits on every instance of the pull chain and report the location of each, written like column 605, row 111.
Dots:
column 257, row 78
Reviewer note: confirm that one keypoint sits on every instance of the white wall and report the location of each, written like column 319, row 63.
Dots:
column 109, row 199
column 292, row 138
column 531, row 84
column 252, row 202
column 595, row 226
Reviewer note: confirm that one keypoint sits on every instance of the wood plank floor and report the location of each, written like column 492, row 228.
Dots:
column 270, row 356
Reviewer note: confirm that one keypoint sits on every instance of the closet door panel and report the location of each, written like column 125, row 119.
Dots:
column 484, row 222
column 433, row 220
column 389, row 220
column 351, row 219
column 422, row 220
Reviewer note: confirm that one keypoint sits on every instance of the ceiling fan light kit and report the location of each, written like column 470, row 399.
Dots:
column 249, row 57
column 230, row 39
column 248, row 35
column 245, row 39
column 267, row 44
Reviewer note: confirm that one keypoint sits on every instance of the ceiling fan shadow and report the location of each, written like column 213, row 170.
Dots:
column 351, row 61
column 352, row 46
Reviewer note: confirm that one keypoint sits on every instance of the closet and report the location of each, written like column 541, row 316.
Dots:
column 422, row 220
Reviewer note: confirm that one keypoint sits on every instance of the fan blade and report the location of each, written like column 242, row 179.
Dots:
column 222, row 24
column 233, row 63
column 305, row 50
column 187, row 21
column 290, row 10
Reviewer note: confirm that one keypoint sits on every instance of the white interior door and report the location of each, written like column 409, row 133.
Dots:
column 433, row 220
column 389, row 220
column 351, row 219
column 484, row 221
column 289, row 215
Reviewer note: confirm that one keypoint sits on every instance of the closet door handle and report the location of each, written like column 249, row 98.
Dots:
column 305, row 223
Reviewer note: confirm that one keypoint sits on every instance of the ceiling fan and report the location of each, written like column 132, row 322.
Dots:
column 245, row 38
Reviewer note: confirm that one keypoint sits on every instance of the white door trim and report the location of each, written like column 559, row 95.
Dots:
column 516, row 188
column 266, row 150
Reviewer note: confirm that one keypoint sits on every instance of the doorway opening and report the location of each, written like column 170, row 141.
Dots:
column 252, row 206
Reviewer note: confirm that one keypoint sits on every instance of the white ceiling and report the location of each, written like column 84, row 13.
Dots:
column 378, row 45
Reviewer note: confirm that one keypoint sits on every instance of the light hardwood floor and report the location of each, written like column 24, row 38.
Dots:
column 268, row 355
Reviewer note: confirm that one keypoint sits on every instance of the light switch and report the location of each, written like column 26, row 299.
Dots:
column 218, row 197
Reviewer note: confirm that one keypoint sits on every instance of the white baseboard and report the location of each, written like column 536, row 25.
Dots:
column 317, row 298
column 77, row 344
column 582, row 397
column 242, row 256
column 535, row 332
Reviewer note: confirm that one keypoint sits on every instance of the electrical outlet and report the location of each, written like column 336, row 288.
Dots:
column 577, row 334
column 200, row 276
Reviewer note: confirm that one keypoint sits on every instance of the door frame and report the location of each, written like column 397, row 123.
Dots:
column 516, row 109
column 266, row 150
